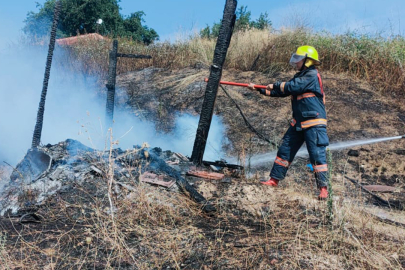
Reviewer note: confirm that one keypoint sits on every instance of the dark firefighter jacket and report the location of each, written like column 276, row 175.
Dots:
column 307, row 98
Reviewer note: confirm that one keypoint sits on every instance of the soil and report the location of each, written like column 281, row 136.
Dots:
column 355, row 111
column 255, row 227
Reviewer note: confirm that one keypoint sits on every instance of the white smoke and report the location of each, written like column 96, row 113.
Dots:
column 74, row 110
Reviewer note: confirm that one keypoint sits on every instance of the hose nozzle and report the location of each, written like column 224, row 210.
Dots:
column 403, row 136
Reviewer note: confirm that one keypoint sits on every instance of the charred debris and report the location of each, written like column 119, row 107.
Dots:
column 52, row 169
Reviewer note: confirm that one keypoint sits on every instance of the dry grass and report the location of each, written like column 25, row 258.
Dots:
column 153, row 228
column 375, row 59
column 98, row 225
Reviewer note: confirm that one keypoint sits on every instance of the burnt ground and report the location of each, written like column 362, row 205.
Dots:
column 255, row 227
column 355, row 110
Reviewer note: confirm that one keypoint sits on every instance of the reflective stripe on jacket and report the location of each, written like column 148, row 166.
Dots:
column 307, row 98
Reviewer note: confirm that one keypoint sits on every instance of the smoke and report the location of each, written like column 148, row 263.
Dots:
column 75, row 109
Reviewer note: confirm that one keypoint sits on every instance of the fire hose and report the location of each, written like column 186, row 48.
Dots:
column 240, row 84
column 250, row 127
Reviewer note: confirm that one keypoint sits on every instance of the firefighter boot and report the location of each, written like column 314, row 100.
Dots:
column 271, row 182
column 323, row 195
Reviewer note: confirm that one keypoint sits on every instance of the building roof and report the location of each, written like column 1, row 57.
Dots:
column 72, row 40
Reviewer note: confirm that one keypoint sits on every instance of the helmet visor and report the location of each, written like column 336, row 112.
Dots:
column 295, row 58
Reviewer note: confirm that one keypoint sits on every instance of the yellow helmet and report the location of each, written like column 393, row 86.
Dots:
column 308, row 52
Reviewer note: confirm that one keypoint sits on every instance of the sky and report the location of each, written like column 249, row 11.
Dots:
column 177, row 18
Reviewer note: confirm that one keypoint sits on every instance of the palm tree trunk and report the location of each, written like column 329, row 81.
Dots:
column 221, row 48
column 36, row 139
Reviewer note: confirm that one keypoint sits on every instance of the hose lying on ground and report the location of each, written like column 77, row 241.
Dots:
column 260, row 135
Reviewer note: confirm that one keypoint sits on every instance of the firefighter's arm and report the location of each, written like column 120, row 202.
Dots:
column 267, row 91
column 278, row 90
column 295, row 86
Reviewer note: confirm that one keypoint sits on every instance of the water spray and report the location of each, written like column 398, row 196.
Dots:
column 261, row 159
column 339, row 145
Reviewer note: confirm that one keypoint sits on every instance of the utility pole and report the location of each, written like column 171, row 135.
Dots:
column 112, row 74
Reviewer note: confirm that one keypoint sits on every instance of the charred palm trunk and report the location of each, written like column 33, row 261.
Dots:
column 112, row 73
column 36, row 139
column 221, row 48
column 181, row 182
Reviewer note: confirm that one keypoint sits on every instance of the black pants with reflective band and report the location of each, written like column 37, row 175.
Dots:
column 316, row 140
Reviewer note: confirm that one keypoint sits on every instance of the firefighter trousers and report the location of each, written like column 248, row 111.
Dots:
column 316, row 140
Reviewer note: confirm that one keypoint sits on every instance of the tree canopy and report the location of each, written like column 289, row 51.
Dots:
column 80, row 17
column 242, row 23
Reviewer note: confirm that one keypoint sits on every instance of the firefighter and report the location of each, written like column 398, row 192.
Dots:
column 309, row 118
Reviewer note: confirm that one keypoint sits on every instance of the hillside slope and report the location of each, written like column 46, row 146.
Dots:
column 255, row 227
column 356, row 111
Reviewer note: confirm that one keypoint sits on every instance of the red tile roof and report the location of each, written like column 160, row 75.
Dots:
column 73, row 40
